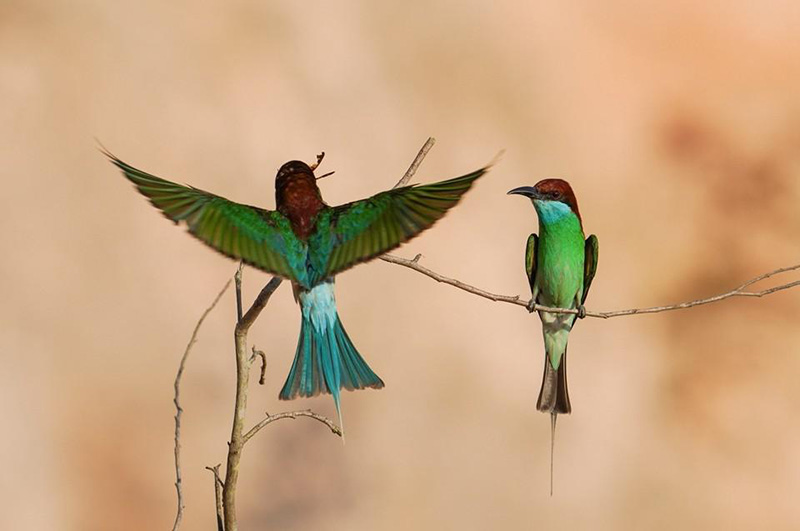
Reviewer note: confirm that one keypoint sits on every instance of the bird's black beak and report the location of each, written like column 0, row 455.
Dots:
column 527, row 191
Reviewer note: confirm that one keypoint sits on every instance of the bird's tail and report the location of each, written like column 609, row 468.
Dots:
column 554, row 399
column 326, row 360
column 553, row 396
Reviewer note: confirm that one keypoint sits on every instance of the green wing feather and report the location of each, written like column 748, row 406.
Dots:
column 365, row 229
column 530, row 258
column 262, row 238
column 591, row 248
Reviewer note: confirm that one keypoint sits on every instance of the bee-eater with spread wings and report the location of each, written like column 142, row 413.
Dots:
column 560, row 266
column 308, row 242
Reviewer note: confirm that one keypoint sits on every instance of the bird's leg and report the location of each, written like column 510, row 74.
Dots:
column 534, row 296
column 580, row 307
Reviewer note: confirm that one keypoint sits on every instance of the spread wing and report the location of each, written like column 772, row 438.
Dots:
column 365, row 229
column 262, row 238
column 530, row 259
column 591, row 248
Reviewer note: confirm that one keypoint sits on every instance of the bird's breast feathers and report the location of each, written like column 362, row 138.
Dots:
column 560, row 268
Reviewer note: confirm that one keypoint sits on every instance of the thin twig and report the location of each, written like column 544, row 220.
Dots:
column 415, row 163
column 293, row 415
column 260, row 354
column 217, row 495
column 315, row 165
column 259, row 304
column 519, row 301
column 179, row 409
column 414, row 264
column 215, row 470
column 238, row 278
column 737, row 292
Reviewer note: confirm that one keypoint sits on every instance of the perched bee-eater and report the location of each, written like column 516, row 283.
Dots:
column 560, row 266
column 308, row 242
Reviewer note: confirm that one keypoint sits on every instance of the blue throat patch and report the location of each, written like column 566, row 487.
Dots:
column 551, row 211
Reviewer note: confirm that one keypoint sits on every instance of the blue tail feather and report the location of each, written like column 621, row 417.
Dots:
column 326, row 360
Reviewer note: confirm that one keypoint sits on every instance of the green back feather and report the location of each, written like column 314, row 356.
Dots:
column 591, row 250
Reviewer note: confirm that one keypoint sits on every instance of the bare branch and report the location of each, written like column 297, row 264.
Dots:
column 519, row 301
column 737, row 292
column 238, row 278
column 236, row 444
column 259, row 304
column 414, row 264
column 319, row 161
column 416, row 162
column 217, row 495
column 215, row 470
column 293, row 415
column 260, row 354
column 179, row 409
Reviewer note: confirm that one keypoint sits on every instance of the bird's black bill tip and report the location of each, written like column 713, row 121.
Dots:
column 527, row 191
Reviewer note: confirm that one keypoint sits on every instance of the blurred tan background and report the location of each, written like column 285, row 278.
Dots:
column 678, row 126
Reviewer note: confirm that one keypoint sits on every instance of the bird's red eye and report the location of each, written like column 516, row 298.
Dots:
column 556, row 196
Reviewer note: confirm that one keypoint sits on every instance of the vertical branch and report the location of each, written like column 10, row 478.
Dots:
column 217, row 495
column 179, row 409
column 236, row 443
column 243, row 364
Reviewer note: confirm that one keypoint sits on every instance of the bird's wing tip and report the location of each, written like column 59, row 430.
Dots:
column 103, row 149
column 496, row 159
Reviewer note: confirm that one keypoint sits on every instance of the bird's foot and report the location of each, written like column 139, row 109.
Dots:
column 581, row 311
column 531, row 306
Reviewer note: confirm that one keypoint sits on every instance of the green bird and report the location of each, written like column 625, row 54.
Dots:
column 308, row 242
column 560, row 267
